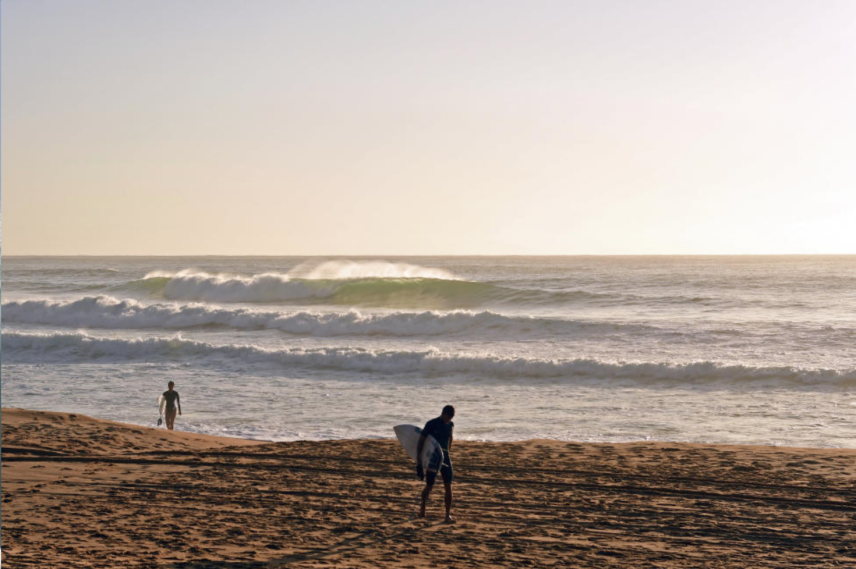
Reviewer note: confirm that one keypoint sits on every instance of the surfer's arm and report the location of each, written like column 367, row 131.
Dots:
column 451, row 436
column 178, row 400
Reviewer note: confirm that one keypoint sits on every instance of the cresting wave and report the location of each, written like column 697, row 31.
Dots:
column 78, row 347
column 374, row 284
column 275, row 287
column 108, row 312
column 413, row 292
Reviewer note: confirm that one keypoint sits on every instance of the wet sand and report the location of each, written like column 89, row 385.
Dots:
column 81, row 492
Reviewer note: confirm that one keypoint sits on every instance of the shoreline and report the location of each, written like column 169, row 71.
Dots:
column 94, row 493
column 226, row 440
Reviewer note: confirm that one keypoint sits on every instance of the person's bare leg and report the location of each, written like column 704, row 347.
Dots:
column 449, row 518
column 428, row 486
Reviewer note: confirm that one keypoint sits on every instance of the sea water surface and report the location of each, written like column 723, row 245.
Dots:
column 754, row 350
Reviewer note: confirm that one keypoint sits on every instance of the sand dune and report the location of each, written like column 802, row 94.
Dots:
column 82, row 492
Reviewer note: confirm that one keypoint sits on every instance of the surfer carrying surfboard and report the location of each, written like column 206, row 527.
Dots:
column 172, row 399
column 441, row 428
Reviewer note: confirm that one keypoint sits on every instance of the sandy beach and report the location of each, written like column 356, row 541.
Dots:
column 82, row 492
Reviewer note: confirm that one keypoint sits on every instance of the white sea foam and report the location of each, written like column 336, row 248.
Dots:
column 265, row 287
column 343, row 269
column 303, row 282
column 81, row 347
column 109, row 312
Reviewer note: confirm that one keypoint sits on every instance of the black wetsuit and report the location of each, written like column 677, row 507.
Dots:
column 170, row 397
column 441, row 431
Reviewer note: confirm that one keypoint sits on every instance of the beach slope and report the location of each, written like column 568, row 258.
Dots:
column 82, row 492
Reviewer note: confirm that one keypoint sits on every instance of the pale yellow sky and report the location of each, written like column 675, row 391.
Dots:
column 330, row 128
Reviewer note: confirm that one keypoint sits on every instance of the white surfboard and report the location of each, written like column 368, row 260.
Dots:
column 161, row 404
column 432, row 452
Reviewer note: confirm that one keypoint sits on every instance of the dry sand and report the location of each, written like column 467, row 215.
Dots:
column 81, row 492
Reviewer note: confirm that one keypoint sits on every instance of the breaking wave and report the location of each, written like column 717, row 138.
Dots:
column 419, row 292
column 80, row 347
column 108, row 312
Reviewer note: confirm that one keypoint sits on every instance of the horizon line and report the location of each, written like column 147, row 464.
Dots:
column 44, row 255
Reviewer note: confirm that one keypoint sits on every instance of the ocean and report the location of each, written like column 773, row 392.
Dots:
column 742, row 350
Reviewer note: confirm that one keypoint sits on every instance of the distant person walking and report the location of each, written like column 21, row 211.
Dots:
column 173, row 405
column 441, row 429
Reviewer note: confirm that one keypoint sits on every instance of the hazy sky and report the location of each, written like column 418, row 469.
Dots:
column 403, row 127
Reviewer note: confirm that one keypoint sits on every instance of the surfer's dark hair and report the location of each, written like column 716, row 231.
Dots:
column 449, row 410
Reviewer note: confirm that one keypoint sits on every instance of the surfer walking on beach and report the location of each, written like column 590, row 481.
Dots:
column 441, row 428
column 173, row 405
